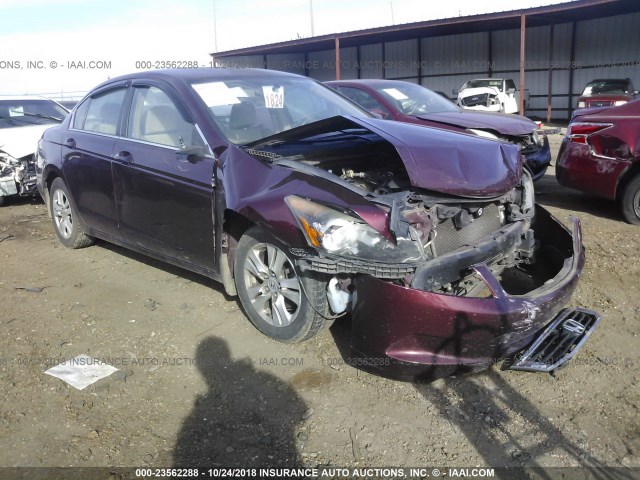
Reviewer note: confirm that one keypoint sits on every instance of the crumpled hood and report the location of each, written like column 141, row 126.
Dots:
column 435, row 159
column 452, row 163
column 21, row 141
column 470, row 92
column 503, row 123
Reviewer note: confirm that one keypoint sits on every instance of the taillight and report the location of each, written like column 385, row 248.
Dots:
column 578, row 132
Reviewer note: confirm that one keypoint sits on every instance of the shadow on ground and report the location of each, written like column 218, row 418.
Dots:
column 507, row 430
column 247, row 418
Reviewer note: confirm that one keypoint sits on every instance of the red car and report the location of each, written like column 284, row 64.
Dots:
column 611, row 92
column 411, row 103
column 600, row 154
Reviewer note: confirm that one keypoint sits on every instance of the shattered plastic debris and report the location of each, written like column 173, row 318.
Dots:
column 81, row 371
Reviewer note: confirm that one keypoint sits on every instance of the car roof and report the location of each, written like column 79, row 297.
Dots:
column 610, row 80
column 195, row 75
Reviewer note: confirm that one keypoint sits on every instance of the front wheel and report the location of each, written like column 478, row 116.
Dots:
column 630, row 201
column 280, row 302
column 64, row 214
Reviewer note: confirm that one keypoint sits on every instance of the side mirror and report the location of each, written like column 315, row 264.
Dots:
column 455, row 91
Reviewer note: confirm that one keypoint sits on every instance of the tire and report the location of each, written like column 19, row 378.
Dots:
column 2, row 200
column 278, row 300
column 65, row 218
column 630, row 201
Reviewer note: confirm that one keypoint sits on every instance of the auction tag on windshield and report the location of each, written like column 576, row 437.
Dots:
column 395, row 93
column 273, row 97
column 16, row 111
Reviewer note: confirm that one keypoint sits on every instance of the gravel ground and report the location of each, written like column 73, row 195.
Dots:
column 197, row 385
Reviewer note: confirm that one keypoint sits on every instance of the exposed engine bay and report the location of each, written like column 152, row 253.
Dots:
column 17, row 176
column 454, row 233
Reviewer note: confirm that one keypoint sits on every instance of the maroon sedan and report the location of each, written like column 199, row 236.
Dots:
column 611, row 92
column 308, row 209
column 600, row 154
column 411, row 103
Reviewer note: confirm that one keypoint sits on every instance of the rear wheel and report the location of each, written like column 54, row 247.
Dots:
column 630, row 201
column 64, row 215
column 280, row 302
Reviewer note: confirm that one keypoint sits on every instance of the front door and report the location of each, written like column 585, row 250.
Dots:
column 164, row 197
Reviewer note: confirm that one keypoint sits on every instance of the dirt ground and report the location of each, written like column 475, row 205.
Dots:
column 198, row 385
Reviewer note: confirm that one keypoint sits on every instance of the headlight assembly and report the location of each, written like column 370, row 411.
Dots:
column 538, row 139
column 341, row 234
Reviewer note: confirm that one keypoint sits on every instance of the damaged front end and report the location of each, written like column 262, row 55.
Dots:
column 17, row 175
column 457, row 279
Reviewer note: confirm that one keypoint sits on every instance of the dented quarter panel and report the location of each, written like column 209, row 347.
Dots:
column 259, row 196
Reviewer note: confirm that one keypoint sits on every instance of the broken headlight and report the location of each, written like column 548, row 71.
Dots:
column 341, row 234
column 537, row 138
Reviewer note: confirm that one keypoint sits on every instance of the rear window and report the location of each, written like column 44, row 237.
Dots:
column 23, row 113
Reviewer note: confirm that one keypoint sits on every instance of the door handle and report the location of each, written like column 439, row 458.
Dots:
column 70, row 142
column 123, row 156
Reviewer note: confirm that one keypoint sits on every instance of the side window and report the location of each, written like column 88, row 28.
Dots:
column 80, row 114
column 362, row 98
column 155, row 118
column 103, row 112
column 511, row 84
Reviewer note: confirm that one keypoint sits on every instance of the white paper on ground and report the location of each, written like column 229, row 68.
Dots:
column 81, row 371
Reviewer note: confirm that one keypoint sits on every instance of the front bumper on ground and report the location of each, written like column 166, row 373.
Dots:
column 412, row 334
column 558, row 343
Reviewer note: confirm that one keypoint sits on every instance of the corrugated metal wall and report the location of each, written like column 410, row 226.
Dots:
column 603, row 48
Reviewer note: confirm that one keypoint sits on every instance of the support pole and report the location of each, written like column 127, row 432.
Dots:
column 550, row 77
column 337, row 58
column 523, row 35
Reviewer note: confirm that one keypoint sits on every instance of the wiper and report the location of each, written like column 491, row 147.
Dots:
column 40, row 115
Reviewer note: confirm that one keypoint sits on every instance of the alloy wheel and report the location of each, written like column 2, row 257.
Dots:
column 272, row 285
column 62, row 214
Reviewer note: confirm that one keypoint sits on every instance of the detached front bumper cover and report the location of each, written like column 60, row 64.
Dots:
column 559, row 342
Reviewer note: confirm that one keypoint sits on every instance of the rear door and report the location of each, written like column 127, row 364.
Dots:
column 87, row 157
column 164, row 197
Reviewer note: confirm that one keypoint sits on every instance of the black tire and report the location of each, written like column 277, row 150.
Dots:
column 65, row 218
column 2, row 200
column 630, row 201
column 280, row 301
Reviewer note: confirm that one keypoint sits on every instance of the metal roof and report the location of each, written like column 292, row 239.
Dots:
column 560, row 13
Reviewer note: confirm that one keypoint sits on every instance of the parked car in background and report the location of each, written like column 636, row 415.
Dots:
column 607, row 93
column 308, row 208
column 408, row 102
column 491, row 95
column 600, row 154
column 22, row 121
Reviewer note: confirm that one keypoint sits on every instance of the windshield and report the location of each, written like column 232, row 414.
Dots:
column 22, row 113
column 247, row 109
column 606, row 86
column 412, row 99
column 483, row 83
